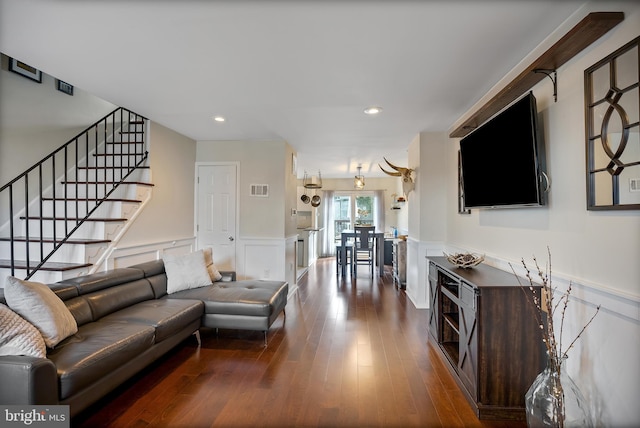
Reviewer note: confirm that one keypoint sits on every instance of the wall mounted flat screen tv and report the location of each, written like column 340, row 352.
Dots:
column 503, row 161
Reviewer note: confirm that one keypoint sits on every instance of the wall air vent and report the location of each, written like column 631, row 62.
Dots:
column 260, row 190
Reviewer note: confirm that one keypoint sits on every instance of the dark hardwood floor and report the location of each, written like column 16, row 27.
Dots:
column 350, row 353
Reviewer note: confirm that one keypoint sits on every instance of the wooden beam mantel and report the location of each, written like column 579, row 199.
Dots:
column 587, row 31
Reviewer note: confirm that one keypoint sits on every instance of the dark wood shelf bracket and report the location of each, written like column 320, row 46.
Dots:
column 554, row 80
column 585, row 32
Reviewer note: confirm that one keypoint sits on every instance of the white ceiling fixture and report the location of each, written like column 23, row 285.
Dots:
column 219, row 118
column 373, row 110
column 358, row 180
column 312, row 181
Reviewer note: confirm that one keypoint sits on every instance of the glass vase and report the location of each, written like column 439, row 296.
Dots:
column 554, row 400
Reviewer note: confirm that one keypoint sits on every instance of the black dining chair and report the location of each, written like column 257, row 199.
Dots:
column 364, row 248
column 349, row 257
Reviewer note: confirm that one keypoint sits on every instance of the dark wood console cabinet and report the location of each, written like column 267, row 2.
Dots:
column 485, row 328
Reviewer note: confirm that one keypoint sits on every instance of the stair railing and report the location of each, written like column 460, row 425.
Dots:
column 22, row 198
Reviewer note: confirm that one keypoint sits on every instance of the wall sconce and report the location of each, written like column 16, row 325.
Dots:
column 358, row 181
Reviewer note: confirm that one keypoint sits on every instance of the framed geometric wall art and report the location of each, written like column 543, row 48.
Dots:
column 612, row 112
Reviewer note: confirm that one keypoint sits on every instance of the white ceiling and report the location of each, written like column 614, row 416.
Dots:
column 301, row 71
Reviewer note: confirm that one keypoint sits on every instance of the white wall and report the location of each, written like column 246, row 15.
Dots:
column 36, row 119
column 267, row 231
column 261, row 162
column 597, row 248
column 169, row 215
column 433, row 207
column 415, row 197
column 290, row 192
column 428, row 211
column 416, row 291
column 597, row 251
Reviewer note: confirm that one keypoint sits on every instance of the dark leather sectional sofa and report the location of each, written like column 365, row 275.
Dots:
column 126, row 320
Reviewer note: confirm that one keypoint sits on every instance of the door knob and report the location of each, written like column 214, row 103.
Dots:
column 231, row 238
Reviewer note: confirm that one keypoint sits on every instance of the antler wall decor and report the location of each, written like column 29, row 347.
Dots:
column 407, row 182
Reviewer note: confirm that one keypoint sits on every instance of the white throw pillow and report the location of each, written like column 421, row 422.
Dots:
column 211, row 267
column 18, row 336
column 186, row 271
column 39, row 305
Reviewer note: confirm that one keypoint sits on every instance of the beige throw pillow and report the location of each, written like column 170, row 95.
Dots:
column 39, row 305
column 18, row 337
column 211, row 267
column 186, row 271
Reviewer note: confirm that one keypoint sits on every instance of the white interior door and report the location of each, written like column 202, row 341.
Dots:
column 216, row 213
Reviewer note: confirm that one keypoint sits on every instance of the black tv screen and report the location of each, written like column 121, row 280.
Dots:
column 503, row 160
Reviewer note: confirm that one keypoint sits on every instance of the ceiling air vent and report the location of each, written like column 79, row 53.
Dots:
column 261, row 190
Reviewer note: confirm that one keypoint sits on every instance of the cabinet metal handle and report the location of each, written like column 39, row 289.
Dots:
column 231, row 238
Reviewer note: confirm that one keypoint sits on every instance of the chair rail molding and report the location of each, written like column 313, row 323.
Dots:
column 140, row 253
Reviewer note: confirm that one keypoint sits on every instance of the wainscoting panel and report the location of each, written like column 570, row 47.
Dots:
column 258, row 258
column 262, row 258
column 418, row 270
column 270, row 258
column 291, row 245
column 127, row 256
column 414, row 284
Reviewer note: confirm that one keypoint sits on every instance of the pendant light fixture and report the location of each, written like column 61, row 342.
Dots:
column 358, row 181
column 311, row 181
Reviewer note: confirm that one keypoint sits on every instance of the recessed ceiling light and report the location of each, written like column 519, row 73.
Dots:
column 218, row 118
column 372, row 110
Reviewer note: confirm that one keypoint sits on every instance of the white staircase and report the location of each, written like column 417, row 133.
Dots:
column 106, row 184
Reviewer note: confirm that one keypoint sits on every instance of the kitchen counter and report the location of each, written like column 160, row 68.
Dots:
column 307, row 246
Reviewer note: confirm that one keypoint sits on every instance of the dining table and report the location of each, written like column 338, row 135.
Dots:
column 378, row 248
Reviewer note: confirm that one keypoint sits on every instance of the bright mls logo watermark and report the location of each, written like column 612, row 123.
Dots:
column 35, row 416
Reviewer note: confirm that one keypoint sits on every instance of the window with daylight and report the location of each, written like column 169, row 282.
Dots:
column 351, row 210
